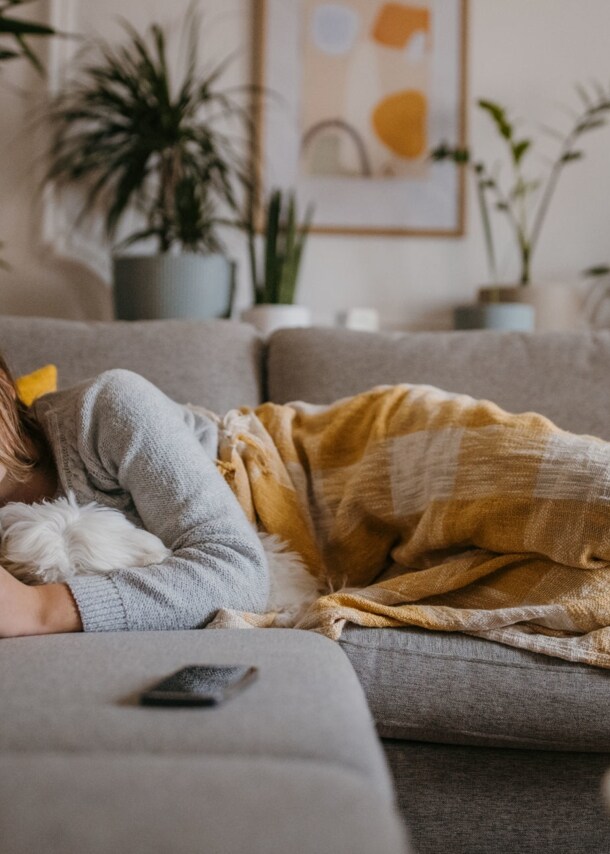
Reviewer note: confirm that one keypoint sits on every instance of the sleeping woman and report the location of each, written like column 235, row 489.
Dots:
column 416, row 506
column 121, row 442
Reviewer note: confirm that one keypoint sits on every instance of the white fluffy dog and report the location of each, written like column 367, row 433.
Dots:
column 55, row 540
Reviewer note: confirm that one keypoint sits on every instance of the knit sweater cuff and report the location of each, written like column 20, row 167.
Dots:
column 99, row 603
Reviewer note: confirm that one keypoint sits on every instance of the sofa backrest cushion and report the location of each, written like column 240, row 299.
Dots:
column 565, row 376
column 217, row 364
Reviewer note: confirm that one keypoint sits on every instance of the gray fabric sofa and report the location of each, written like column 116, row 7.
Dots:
column 84, row 768
column 492, row 749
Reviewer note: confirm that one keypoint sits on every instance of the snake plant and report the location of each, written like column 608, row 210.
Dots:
column 275, row 278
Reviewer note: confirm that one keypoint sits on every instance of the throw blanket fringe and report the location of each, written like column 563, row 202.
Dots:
column 420, row 507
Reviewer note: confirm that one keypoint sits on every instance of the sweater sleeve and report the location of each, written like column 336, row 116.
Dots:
column 133, row 437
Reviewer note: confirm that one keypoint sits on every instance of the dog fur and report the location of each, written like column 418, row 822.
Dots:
column 53, row 541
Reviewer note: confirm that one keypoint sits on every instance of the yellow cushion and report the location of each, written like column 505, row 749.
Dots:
column 34, row 385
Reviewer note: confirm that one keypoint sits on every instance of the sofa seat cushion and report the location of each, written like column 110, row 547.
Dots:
column 482, row 800
column 74, row 738
column 80, row 692
column 147, row 804
column 456, row 689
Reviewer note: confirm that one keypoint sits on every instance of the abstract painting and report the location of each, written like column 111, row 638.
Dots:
column 356, row 93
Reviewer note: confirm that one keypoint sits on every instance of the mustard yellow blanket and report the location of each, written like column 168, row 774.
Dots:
column 425, row 508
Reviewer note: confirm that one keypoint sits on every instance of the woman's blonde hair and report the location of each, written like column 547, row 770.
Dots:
column 20, row 434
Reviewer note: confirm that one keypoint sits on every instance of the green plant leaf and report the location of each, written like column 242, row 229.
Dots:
column 272, row 257
column 20, row 31
column 590, row 124
column 583, row 95
column 288, row 280
column 4, row 265
column 519, row 150
column 524, row 188
column 12, row 26
column 498, row 114
column 136, row 237
column 284, row 244
column 302, row 241
column 29, row 54
column 446, row 152
column 599, row 270
column 441, row 152
column 601, row 107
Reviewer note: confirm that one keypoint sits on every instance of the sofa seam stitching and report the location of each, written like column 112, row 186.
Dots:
column 546, row 668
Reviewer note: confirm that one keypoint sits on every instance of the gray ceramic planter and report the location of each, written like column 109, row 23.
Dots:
column 501, row 316
column 558, row 305
column 155, row 287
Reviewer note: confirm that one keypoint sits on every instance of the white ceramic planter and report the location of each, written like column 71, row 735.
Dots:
column 268, row 318
column 189, row 285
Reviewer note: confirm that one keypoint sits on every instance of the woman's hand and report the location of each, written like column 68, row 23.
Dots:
column 40, row 610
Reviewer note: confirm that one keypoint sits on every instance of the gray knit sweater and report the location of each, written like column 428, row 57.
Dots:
column 118, row 440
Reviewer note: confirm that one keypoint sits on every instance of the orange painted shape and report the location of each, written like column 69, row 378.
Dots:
column 398, row 22
column 400, row 123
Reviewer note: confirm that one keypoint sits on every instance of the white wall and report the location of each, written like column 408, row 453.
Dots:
column 525, row 53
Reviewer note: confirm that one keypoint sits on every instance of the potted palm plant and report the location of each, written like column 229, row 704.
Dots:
column 523, row 200
column 141, row 141
column 15, row 43
column 275, row 276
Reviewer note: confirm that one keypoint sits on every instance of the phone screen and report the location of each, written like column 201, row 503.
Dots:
column 200, row 685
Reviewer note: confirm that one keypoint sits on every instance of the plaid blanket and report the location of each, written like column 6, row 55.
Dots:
column 425, row 508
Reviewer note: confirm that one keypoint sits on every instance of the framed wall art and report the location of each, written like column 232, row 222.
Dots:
column 355, row 94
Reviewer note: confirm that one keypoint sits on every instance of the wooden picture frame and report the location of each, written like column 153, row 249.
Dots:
column 377, row 85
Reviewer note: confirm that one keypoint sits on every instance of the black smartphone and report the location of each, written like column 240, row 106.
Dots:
column 200, row 685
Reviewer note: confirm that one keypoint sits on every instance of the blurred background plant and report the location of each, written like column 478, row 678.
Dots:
column 275, row 277
column 137, row 137
column 16, row 33
column 15, row 36
column 525, row 199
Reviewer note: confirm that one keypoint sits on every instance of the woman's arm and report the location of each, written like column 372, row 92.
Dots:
column 133, row 438
column 47, row 609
